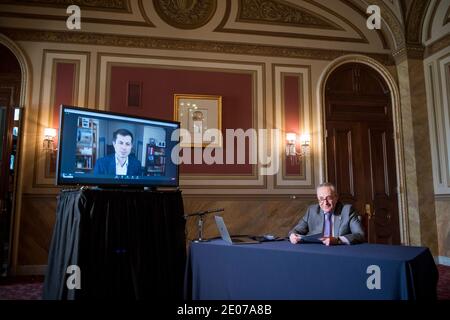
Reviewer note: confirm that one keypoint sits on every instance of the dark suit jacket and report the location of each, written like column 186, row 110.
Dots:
column 107, row 166
column 346, row 223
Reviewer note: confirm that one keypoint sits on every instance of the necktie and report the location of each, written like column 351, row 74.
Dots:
column 327, row 226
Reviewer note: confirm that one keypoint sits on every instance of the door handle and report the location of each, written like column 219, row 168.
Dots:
column 368, row 210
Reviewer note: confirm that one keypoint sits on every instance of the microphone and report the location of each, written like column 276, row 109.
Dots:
column 200, row 213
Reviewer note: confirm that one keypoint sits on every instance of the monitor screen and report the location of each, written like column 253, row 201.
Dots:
column 101, row 148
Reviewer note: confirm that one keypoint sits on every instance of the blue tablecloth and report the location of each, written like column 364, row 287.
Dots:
column 280, row 270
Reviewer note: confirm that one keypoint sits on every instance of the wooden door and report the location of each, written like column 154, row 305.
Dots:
column 10, row 128
column 360, row 148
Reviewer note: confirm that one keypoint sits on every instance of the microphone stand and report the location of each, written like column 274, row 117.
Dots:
column 200, row 215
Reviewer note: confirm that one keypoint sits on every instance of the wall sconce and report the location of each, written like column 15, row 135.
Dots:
column 49, row 140
column 291, row 147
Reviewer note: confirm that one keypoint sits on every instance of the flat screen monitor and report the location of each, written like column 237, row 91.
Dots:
column 98, row 148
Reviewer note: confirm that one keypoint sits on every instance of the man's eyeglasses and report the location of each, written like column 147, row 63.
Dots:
column 329, row 199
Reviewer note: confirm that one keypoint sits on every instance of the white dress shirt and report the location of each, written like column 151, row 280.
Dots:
column 121, row 169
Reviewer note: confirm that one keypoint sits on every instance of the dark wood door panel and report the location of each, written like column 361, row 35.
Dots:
column 345, row 167
column 370, row 110
column 341, row 166
column 383, row 195
column 360, row 148
column 377, row 153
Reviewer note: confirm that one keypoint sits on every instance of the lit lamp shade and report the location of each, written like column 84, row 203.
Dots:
column 50, row 133
column 305, row 139
column 291, row 137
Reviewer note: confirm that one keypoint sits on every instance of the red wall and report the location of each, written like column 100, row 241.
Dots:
column 292, row 103
column 159, row 87
column 64, row 89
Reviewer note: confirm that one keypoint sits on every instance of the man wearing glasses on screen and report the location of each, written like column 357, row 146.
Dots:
column 121, row 163
column 333, row 222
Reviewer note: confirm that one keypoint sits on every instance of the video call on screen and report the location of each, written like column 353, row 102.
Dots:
column 89, row 153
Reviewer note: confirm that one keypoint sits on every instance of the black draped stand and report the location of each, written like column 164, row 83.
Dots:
column 127, row 244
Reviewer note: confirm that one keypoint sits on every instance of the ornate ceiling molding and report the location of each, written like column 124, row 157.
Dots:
column 122, row 6
column 144, row 14
column 431, row 19
column 437, row 46
column 115, row 5
column 447, row 17
column 182, row 44
column 223, row 28
column 409, row 51
column 415, row 20
column 146, row 23
column 185, row 14
column 363, row 14
column 397, row 30
column 281, row 13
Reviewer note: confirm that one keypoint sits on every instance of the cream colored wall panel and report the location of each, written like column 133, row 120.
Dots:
column 438, row 102
column 437, row 23
column 50, row 58
column 304, row 73
column 437, row 124
column 444, row 71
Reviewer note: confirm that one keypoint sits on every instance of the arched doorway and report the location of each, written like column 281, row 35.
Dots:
column 10, row 129
column 360, row 147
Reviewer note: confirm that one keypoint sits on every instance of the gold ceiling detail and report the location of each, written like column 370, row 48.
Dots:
column 185, row 14
column 447, row 20
column 93, row 4
column 182, row 44
column 415, row 20
column 280, row 12
column 388, row 17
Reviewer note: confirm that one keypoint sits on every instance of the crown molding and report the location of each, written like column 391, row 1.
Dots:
column 144, row 42
column 415, row 20
column 409, row 52
column 103, row 5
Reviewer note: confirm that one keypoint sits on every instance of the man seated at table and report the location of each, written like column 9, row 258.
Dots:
column 338, row 223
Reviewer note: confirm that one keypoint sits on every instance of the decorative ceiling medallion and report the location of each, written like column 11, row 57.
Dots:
column 185, row 14
column 280, row 12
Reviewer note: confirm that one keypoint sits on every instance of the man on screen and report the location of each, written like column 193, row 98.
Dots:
column 121, row 162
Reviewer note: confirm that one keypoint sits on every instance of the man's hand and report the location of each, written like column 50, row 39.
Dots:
column 295, row 238
column 330, row 241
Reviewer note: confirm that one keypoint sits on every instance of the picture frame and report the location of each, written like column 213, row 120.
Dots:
column 198, row 113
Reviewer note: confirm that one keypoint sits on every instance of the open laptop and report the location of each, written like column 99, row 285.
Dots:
column 226, row 235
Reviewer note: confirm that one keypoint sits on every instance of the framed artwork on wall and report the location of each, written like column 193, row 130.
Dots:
column 198, row 114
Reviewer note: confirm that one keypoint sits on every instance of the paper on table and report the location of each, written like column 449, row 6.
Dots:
column 312, row 238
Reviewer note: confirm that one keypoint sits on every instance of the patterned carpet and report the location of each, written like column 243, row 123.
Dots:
column 30, row 288
column 21, row 288
column 443, row 288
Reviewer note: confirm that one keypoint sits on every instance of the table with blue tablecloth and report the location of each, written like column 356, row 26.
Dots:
column 276, row 270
